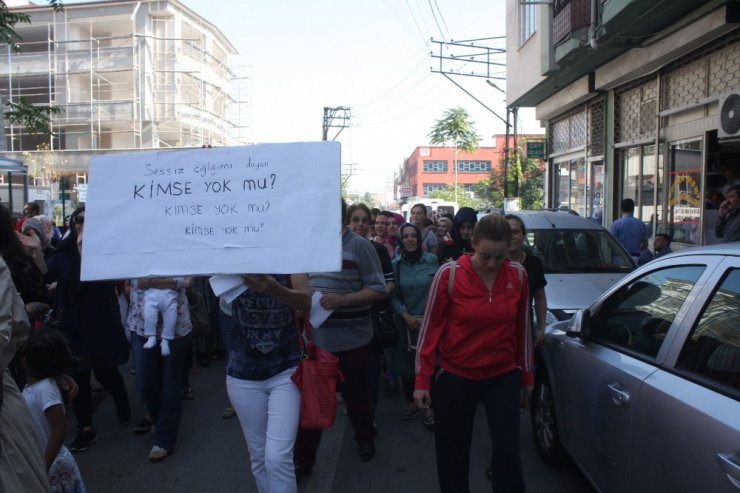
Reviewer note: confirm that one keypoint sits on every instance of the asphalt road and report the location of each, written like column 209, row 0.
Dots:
column 212, row 456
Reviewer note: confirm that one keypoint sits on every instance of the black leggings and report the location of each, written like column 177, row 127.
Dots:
column 113, row 383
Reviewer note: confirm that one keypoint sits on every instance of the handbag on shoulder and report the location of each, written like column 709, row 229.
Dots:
column 385, row 328
column 316, row 377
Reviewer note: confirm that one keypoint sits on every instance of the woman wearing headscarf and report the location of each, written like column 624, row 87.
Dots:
column 34, row 227
column 461, row 233
column 414, row 270
column 392, row 223
column 442, row 230
column 89, row 316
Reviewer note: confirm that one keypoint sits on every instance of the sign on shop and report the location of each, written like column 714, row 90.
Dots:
column 536, row 149
column 251, row 209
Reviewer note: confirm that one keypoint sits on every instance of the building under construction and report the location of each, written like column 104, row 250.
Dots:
column 126, row 75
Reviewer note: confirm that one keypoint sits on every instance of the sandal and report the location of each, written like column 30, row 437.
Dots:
column 157, row 454
column 409, row 414
column 429, row 421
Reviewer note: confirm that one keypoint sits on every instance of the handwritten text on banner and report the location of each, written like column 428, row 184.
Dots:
column 270, row 208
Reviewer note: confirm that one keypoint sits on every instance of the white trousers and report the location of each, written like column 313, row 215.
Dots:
column 269, row 412
column 162, row 301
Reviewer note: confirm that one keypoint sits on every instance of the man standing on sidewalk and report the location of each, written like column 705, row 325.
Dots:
column 348, row 333
column 629, row 230
column 728, row 228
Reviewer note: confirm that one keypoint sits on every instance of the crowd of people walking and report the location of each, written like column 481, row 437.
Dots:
column 459, row 292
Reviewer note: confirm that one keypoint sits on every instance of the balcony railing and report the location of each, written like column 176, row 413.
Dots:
column 569, row 16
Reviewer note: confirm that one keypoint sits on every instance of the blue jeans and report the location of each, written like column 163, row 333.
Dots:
column 158, row 380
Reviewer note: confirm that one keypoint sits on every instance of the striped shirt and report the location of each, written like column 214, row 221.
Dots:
column 349, row 328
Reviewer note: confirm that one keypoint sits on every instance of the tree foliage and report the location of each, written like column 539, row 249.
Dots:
column 35, row 118
column 463, row 200
column 455, row 128
column 529, row 175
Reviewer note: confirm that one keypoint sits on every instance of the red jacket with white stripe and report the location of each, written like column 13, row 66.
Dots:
column 473, row 332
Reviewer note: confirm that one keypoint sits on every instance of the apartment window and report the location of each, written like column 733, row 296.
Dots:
column 527, row 22
column 430, row 188
column 435, row 166
column 474, row 166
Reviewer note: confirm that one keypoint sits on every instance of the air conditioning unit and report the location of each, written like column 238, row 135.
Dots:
column 728, row 125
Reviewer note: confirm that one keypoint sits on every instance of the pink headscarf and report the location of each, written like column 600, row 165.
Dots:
column 392, row 239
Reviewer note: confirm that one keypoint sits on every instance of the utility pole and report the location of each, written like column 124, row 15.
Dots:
column 473, row 58
column 335, row 118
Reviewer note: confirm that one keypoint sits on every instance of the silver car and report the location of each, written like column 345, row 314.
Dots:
column 642, row 389
column 581, row 259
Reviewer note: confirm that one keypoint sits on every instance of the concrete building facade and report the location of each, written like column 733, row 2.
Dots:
column 431, row 168
column 631, row 94
column 126, row 75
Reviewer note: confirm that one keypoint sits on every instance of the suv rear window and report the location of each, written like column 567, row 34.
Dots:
column 571, row 251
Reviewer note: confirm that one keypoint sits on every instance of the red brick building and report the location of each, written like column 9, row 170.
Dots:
column 431, row 168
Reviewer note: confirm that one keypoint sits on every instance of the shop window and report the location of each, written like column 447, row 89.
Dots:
column 430, row 188
column 639, row 179
column 434, row 166
column 684, row 191
column 466, row 166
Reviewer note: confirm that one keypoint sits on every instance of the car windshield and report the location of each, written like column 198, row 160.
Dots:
column 574, row 251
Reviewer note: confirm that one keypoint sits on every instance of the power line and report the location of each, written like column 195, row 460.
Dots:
column 439, row 28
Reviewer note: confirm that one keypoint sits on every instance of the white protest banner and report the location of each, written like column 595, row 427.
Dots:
column 269, row 208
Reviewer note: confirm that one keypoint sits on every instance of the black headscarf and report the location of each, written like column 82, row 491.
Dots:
column 70, row 284
column 464, row 214
column 410, row 257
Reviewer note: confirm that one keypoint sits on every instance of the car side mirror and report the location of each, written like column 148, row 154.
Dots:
column 580, row 324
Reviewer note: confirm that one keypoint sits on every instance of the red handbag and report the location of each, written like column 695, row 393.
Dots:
column 316, row 377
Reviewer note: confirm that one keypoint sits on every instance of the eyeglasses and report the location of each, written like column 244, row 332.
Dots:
column 80, row 220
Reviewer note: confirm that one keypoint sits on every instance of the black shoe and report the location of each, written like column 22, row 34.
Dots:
column 391, row 387
column 367, row 451
column 301, row 472
column 83, row 440
column 143, row 426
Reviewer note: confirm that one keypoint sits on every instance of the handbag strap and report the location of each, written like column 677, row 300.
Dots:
column 306, row 330
column 306, row 326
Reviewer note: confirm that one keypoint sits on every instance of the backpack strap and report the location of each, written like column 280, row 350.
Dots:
column 451, row 279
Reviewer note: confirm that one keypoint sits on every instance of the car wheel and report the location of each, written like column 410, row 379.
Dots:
column 545, row 426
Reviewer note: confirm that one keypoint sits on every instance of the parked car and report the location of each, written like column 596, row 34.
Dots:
column 581, row 259
column 642, row 388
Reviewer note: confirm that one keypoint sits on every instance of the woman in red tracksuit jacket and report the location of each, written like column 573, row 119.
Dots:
column 475, row 342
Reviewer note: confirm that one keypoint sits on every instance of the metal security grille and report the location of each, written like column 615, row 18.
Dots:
column 686, row 84
column 724, row 70
column 568, row 132
column 711, row 71
column 635, row 112
column 596, row 123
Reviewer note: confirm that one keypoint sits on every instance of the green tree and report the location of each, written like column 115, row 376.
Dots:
column 456, row 128
column 35, row 118
column 532, row 187
column 526, row 174
column 448, row 194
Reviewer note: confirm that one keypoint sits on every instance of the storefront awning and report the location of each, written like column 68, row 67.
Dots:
column 11, row 165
